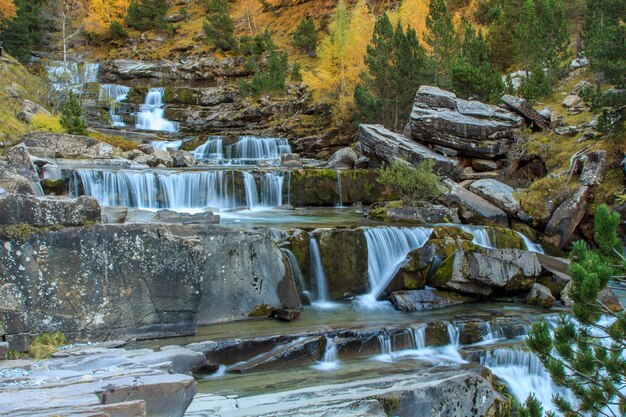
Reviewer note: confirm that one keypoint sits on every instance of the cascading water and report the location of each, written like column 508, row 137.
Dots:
column 387, row 248
column 530, row 245
column 339, row 188
column 252, row 150
column 453, row 335
column 179, row 191
column 318, row 274
column 71, row 75
column 163, row 145
column 480, row 235
column 295, row 268
column 114, row 94
column 272, row 190
column 419, row 337
column 151, row 114
column 211, row 150
column 386, row 350
column 329, row 360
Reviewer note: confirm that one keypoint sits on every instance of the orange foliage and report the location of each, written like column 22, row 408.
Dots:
column 412, row 13
column 103, row 12
column 7, row 11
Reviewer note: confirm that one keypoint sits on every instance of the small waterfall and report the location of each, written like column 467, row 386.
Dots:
column 252, row 194
column 387, row 248
column 480, row 235
column 317, row 270
column 272, row 190
column 453, row 335
column 289, row 187
column 339, row 188
column 210, row 150
column 530, row 245
column 114, row 94
column 385, row 344
column 72, row 75
column 418, row 337
column 253, row 150
column 329, row 360
column 163, row 145
column 151, row 114
column 295, row 269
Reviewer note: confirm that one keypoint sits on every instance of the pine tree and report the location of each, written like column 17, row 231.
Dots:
column 442, row 39
column 147, row 14
column 23, row 33
column 304, row 37
column 219, row 26
column 296, row 74
column 500, row 40
column 472, row 73
column 587, row 356
column 72, row 116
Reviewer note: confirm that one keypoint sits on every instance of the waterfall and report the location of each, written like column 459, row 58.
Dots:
column 419, row 337
column 114, row 94
column 339, row 188
column 329, row 360
column 387, row 248
column 453, row 335
column 252, row 150
column 317, row 270
column 385, row 346
column 151, row 114
column 295, row 268
column 530, row 245
column 163, row 145
column 272, row 190
column 480, row 235
column 173, row 190
column 71, row 75
column 211, row 149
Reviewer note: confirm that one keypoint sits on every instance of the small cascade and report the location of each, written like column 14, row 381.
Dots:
column 317, row 270
column 339, row 188
column 453, row 335
column 272, row 190
column 289, row 187
column 211, row 150
column 163, row 145
column 72, row 76
column 252, row 150
column 480, row 235
column 387, row 248
column 114, row 94
column 295, row 268
column 151, row 114
column 173, row 190
column 386, row 349
column 329, row 360
column 530, row 245
column 418, row 337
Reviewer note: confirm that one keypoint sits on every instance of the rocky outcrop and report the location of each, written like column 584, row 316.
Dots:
column 522, row 107
column 12, row 182
column 46, row 211
column 344, row 158
column 469, row 127
column 540, row 296
column 497, row 193
column 382, row 145
column 426, row 300
column 566, row 218
column 29, row 110
column 595, row 165
column 140, row 280
column 484, row 272
column 68, row 146
column 428, row 214
column 472, row 208
column 20, row 163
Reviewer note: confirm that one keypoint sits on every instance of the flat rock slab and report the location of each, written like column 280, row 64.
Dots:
column 497, row 193
column 48, row 211
column 69, row 146
column 473, row 208
column 426, row 300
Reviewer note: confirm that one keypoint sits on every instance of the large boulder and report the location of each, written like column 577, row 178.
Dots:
column 469, row 127
column 21, row 163
column 566, row 218
column 426, row 300
column 12, row 182
column 427, row 214
column 484, row 272
column 497, row 193
column 182, row 158
column 595, row 165
column 522, row 107
column 46, row 211
column 344, row 158
column 540, row 296
column 472, row 208
column 29, row 110
column 69, row 146
column 385, row 146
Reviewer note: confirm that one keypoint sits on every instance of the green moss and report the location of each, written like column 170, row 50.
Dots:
column 15, row 355
column 505, row 238
column 443, row 273
column 46, row 344
column 181, row 95
column 23, row 232
column 379, row 213
column 116, row 141
column 535, row 200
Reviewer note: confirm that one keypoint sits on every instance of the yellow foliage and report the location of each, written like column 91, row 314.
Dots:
column 44, row 123
column 116, row 141
column 103, row 12
column 341, row 56
column 7, row 11
column 413, row 13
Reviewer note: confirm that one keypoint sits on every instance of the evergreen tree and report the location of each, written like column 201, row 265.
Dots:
column 472, row 73
column 22, row 33
column 500, row 41
column 587, row 356
column 296, row 74
column 219, row 26
column 442, row 39
column 72, row 116
column 146, row 14
column 8, row 11
column 396, row 66
column 304, row 37
column 536, row 85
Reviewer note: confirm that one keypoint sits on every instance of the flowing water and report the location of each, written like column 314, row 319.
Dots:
column 163, row 145
column 248, row 150
column 114, row 94
column 72, row 76
column 151, row 115
column 329, row 360
column 339, row 188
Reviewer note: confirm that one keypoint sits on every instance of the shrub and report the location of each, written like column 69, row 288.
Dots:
column 219, row 26
column 146, row 14
column 304, row 37
column 72, row 116
column 46, row 344
column 45, row 123
column 415, row 184
column 268, row 79
column 296, row 75
column 117, row 31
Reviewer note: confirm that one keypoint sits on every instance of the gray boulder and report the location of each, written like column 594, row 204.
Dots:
column 595, row 165
column 290, row 160
column 21, row 163
column 182, row 158
column 484, row 165
column 29, row 111
column 522, row 107
column 69, row 146
column 426, row 300
column 344, row 158
column 427, row 214
column 540, row 296
column 470, row 127
column 12, row 182
column 472, row 208
column 47, row 211
column 497, row 193
column 385, row 146
column 566, row 218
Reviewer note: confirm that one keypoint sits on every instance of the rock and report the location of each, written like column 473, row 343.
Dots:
column 383, row 145
column 427, row 214
column 610, row 300
column 29, row 110
column 414, row 271
column 182, row 158
column 12, row 182
column 47, row 211
column 574, row 103
column 540, row 296
column 523, row 108
column 566, row 295
column 546, row 113
column 344, row 158
column 4, row 351
column 595, row 166
column 362, row 163
column 468, row 174
column 287, row 314
column 145, row 159
column 497, row 193
column 114, row 214
column 290, row 160
column 470, row 127
column 473, row 208
column 69, row 146
column 566, row 218
column 484, row 272
column 483, row 165
column 426, row 300
column 162, row 157
column 578, row 63
column 569, row 131
column 21, row 164
column 182, row 360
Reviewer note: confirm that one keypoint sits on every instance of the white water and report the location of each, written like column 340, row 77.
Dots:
column 387, row 249
column 175, row 190
column 114, row 94
column 329, row 360
column 530, row 245
column 339, row 188
column 163, row 145
column 480, row 235
column 248, row 150
column 453, row 335
column 295, row 268
column 151, row 113
column 72, row 75
column 419, row 337
column 319, row 275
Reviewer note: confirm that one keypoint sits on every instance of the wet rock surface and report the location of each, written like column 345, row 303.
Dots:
column 425, row 300
column 69, row 146
column 45, row 211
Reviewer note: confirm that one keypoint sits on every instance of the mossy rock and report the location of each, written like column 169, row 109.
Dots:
column 443, row 272
column 471, row 332
column 505, row 238
column 437, row 334
column 137, row 95
column 542, row 198
column 182, row 95
column 262, row 310
column 53, row 187
column 379, row 213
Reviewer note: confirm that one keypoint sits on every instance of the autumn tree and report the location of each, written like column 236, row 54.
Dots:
column 442, row 38
column 104, row 13
column 7, row 12
column 413, row 13
column 22, row 33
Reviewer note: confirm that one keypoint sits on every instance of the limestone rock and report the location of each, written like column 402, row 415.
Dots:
column 522, row 107
column 21, row 163
column 12, row 182
column 162, row 158
column 470, row 127
column 47, row 211
column 182, row 158
column 414, row 271
column 29, row 111
column 290, row 160
column 497, row 193
column 483, row 165
column 472, row 208
column 69, row 146
column 383, row 145
column 572, row 101
column 540, row 296
column 595, row 166
column 114, row 214
column 566, row 218
column 344, row 158
column 428, row 214
column 426, row 300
